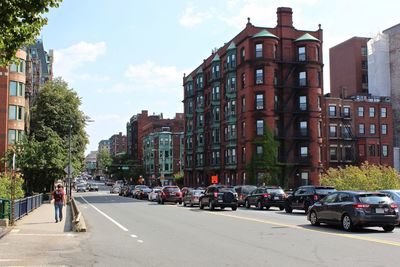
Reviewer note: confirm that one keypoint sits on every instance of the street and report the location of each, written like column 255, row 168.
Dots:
column 125, row 231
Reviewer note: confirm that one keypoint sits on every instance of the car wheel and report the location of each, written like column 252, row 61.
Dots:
column 247, row 204
column 259, row 205
column 191, row 205
column 313, row 218
column 267, row 207
column 162, row 201
column 281, row 208
column 201, row 206
column 180, row 202
column 288, row 209
column 222, row 208
column 234, row 208
column 388, row 228
column 184, row 203
column 347, row 224
column 211, row 205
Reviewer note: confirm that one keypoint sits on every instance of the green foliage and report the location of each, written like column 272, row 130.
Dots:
column 367, row 177
column 104, row 159
column 266, row 165
column 20, row 23
column 122, row 167
column 43, row 155
column 6, row 185
column 178, row 178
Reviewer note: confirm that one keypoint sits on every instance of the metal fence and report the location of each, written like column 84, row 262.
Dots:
column 21, row 206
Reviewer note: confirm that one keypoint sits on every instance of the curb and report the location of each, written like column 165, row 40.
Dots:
column 4, row 232
column 78, row 222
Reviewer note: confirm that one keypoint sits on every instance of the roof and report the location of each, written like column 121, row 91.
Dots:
column 265, row 33
column 199, row 71
column 216, row 58
column 189, row 78
column 231, row 46
column 307, row 37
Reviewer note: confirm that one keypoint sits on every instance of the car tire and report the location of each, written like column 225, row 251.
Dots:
column 288, row 209
column 388, row 228
column 222, row 208
column 180, row 202
column 191, row 205
column 267, row 207
column 313, row 218
column 201, row 206
column 281, row 208
column 347, row 224
column 247, row 204
column 259, row 205
column 234, row 208
column 184, row 203
column 162, row 201
column 211, row 205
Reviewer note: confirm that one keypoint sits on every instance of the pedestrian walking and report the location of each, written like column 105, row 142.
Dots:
column 58, row 198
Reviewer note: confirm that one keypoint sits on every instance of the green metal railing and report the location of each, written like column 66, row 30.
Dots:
column 21, row 206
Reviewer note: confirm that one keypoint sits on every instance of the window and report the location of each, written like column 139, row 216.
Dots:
column 302, row 53
column 384, row 129
column 385, row 150
column 216, row 114
column 372, row 129
column 243, row 154
column 243, row 79
column 332, row 111
column 259, row 76
column 383, row 112
column 260, row 127
column 317, row 54
column 303, row 152
column 12, row 137
column 242, row 55
column 259, row 50
column 346, row 131
column 304, row 178
column 302, row 78
column 303, row 103
column 364, row 65
column 259, row 101
column 360, row 111
column 332, row 131
column 259, row 150
column 371, row 150
column 346, row 112
column 243, row 129
column 363, row 50
column 15, row 112
column 319, row 128
column 215, row 93
column 361, row 128
column 13, row 88
column 371, row 112
column 303, row 128
column 333, row 153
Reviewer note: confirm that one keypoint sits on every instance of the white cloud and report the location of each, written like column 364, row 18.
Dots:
column 191, row 18
column 68, row 61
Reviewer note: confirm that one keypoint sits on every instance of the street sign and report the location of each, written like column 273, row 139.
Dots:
column 125, row 168
column 214, row 179
column 71, row 169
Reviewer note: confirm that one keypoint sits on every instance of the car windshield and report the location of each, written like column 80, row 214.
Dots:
column 172, row 189
column 227, row 189
column 374, row 199
column 248, row 189
column 324, row 190
column 198, row 192
column 275, row 191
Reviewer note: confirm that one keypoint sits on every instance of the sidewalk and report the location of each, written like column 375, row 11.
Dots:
column 37, row 240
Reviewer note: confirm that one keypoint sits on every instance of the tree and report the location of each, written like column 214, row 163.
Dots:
column 104, row 159
column 366, row 177
column 6, row 184
column 123, row 167
column 265, row 168
column 178, row 178
column 20, row 23
column 43, row 155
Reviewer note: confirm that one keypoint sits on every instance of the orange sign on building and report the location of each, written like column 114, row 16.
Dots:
column 214, row 179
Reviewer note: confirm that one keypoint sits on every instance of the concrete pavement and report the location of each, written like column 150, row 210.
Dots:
column 37, row 240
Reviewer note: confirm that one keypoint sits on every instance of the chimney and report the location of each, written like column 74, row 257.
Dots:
column 284, row 15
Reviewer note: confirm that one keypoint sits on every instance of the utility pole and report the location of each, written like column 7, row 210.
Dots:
column 69, row 188
column 12, row 217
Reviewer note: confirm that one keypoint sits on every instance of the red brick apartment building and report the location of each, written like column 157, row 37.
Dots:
column 118, row 144
column 12, row 103
column 263, row 77
column 359, row 129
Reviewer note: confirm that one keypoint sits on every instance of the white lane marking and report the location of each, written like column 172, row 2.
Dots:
column 140, row 241
column 15, row 230
column 134, row 236
column 105, row 215
column 69, row 235
column 8, row 260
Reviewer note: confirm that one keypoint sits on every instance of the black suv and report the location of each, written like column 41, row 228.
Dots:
column 266, row 196
column 305, row 196
column 218, row 196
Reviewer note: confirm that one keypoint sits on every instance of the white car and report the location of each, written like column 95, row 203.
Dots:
column 115, row 189
column 153, row 194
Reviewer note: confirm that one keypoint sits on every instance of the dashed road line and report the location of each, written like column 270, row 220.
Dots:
column 362, row 238
column 140, row 241
column 134, row 236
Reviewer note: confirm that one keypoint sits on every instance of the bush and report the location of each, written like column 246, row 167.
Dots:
column 5, row 186
column 368, row 177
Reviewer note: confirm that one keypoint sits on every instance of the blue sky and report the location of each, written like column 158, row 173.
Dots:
column 124, row 56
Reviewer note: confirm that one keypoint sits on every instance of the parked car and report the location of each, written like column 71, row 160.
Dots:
column 80, row 188
column 305, row 196
column 141, row 191
column 123, row 189
column 393, row 194
column 152, row 196
column 243, row 191
column 185, row 190
column 192, row 197
column 218, row 196
column 93, row 187
column 110, row 182
column 115, row 189
column 169, row 194
column 355, row 209
column 266, row 196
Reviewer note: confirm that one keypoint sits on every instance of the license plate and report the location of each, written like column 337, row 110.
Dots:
column 276, row 198
column 379, row 210
column 220, row 200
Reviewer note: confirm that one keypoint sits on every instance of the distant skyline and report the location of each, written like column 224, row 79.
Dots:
column 126, row 56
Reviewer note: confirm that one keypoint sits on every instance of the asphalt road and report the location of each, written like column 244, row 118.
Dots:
column 128, row 232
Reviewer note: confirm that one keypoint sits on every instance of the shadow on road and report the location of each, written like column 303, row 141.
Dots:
column 338, row 229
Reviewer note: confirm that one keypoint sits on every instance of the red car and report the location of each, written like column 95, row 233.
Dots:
column 169, row 194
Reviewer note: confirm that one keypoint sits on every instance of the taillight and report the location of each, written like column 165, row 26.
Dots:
column 266, row 195
column 360, row 206
column 393, row 206
column 215, row 194
column 316, row 197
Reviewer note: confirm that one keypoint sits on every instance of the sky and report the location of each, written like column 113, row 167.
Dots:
column 125, row 56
